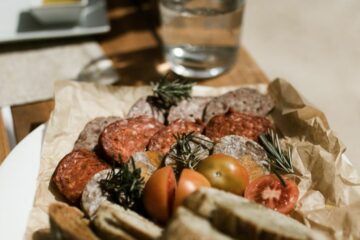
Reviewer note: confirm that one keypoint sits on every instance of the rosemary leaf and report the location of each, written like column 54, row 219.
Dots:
column 279, row 161
column 171, row 89
column 124, row 185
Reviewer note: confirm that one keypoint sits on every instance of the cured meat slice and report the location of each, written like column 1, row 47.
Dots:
column 74, row 171
column 245, row 100
column 251, row 155
column 189, row 109
column 92, row 195
column 145, row 107
column 200, row 143
column 123, row 138
column 148, row 162
column 236, row 123
column 89, row 136
column 162, row 141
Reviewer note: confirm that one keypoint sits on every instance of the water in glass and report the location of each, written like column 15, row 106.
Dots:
column 201, row 37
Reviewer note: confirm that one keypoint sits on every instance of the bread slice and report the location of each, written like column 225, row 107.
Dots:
column 242, row 219
column 186, row 225
column 69, row 223
column 114, row 222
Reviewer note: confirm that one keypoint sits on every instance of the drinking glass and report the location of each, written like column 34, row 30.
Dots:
column 201, row 37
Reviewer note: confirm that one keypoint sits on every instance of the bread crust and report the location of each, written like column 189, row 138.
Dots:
column 69, row 223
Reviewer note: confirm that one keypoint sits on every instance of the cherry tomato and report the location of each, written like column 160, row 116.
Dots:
column 159, row 193
column 224, row 172
column 189, row 182
column 269, row 191
column 162, row 194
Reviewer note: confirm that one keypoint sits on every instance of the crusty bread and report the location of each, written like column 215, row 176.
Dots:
column 242, row 219
column 114, row 222
column 186, row 225
column 69, row 223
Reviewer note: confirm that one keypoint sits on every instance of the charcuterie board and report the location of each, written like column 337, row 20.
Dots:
column 61, row 136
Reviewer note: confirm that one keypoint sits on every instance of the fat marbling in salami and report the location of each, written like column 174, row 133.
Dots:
column 236, row 123
column 163, row 140
column 189, row 109
column 122, row 138
column 74, row 171
column 245, row 100
column 89, row 136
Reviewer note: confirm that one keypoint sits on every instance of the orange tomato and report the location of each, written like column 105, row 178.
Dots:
column 162, row 194
column 189, row 182
column 224, row 172
column 158, row 192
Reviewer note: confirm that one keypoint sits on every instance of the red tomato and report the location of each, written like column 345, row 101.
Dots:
column 159, row 193
column 162, row 194
column 189, row 182
column 269, row 191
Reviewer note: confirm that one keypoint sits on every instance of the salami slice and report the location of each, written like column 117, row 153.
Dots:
column 200, row 143
column 92, row 195
column 245, row 100
column 236, row 123
column 162, row 141
column 123, row 138
column 249, row 153
column 145, row 107
column 89, row 136
column 148, row 162
column 189, row 109
column 74, row 171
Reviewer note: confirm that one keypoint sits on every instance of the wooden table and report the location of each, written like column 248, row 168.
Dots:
column 134, row 46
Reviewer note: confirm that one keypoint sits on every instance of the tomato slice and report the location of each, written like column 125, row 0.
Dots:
column 159, row 194
column 268, row 191
column 189, row 182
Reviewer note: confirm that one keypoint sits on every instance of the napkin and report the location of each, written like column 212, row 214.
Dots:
column 28, row 71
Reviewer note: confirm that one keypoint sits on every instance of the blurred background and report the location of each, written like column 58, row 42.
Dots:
column 316, row 46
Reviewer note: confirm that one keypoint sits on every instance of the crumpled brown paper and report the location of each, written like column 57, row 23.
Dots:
column 329, row 186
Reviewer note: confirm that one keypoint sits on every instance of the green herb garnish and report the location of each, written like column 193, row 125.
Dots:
column 188, row 150
column 279, row 161
column 124, row 185
column 171, row 89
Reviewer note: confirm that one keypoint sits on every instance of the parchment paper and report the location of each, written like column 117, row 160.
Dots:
column 329, row 187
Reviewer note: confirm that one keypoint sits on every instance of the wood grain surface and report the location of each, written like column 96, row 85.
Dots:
column 134, row 45
column 4, row 142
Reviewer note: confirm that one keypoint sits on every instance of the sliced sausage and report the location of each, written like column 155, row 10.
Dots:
column 74, row 171
column 189, row 109
column 162, row 141
column 89, row 136
column 146, row 107
column 245, row 100
column 236, row 123
column 123, row 138
column 92, row 195
column 148, row 162
column 251, row 155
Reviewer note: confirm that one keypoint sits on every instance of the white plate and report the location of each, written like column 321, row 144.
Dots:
column 18, row 175
column 17, row 23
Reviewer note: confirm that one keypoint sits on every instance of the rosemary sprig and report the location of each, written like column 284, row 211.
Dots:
column 124, row 185
column 187, row 151
column 171, row 89
column 279, row 161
